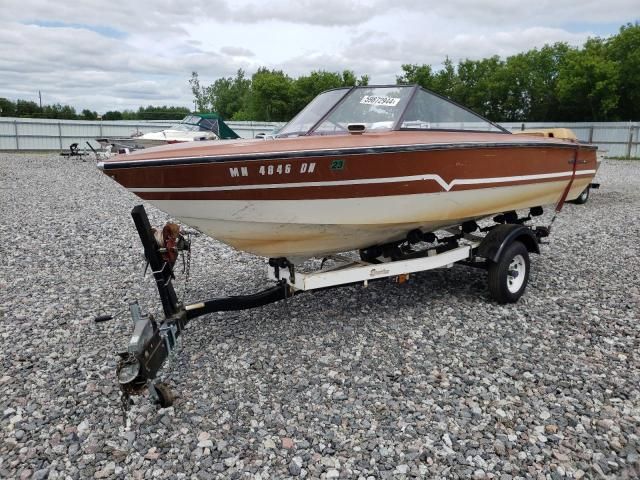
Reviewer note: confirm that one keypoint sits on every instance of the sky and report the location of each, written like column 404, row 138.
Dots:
column 120, row 54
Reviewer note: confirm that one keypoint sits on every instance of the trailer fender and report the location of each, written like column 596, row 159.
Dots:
column 500, row 237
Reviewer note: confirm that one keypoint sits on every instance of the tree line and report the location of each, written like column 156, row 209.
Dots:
column 29, row 109
column 599, row 81
column 269, row 95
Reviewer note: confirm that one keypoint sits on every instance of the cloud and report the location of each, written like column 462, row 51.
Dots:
column 541, row 12
column 312, row 12
column 70, row 64
column 237, row 52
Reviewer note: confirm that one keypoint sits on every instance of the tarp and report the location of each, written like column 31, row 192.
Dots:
column 218, row 126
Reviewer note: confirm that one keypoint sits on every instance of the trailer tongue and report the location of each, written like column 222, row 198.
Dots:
column 503, row 251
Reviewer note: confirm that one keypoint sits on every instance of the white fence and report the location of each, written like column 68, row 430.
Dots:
column 617, row 139
column 45, row 134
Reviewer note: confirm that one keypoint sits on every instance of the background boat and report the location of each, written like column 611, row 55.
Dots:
column 196, row 127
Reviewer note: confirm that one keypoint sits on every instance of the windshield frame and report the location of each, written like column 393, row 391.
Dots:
column 453, row 102
column 302, row 133
column 312, row 130
column 397, row 126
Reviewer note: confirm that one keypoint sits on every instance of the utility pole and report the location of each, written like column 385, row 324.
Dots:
column 40, row 97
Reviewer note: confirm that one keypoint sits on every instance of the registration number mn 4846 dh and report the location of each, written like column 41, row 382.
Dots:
column 272, row 169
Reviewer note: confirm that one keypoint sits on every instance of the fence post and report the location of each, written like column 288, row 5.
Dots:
column 630, row 142
column 591, row 134
column 60, row 134
column 15, row 129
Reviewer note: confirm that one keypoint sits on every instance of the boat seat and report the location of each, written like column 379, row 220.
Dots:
column 562, row 133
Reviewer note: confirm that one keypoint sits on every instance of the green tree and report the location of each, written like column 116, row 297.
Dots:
column 482, row 86
column 349, row 79
column 624, row 49
column 230, row 95
column 7, row 108
column 25, row 108
column 541, row 77
column 164, row 112
column 201, row 95
column 270, row 98
column 588, row 83
column 363, row 81
column 307, row 87
column 521, row 87
column 59, row 111
column 268, row 95
column 445, row 81
column 112, row 115
column 416, row 74
column 88, row 115
column 129, row 115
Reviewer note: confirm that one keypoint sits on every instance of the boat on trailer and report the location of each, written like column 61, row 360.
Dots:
column 357, row 167
column 396, row 173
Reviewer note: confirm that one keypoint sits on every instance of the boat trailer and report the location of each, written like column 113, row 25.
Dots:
column 503, row 250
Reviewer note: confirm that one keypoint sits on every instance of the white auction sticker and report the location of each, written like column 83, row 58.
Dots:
column 376, row 100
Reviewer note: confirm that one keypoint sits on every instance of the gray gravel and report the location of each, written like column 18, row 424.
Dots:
column 425, row 379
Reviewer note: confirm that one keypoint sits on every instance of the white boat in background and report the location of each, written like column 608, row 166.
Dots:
column 196, row 127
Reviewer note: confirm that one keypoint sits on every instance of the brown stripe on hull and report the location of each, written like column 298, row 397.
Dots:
column 449, row 165
column 333, row 191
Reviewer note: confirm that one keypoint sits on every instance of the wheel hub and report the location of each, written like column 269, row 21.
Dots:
column 515, row 277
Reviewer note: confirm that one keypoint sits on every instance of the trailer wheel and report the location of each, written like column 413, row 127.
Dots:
column 508, row 276
column 583, row 197
column 165, row 395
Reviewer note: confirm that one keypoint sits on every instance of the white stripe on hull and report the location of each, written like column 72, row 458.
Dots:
column 305, row 228
column 366, row 181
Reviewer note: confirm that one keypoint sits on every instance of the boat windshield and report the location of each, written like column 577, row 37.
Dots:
column 380, row 108
column 428, row 111
column 184, row 127
column 194, row 123
column 312, row 113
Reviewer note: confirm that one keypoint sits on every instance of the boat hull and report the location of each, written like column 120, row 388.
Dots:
column 286, row 201
column 320, row 227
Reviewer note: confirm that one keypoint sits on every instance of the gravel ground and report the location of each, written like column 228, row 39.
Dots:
column 425, row 379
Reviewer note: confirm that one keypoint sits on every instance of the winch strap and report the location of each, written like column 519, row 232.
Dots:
column 568, row 188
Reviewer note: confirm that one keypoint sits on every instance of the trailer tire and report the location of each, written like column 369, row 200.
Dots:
column 583, row 197
column 508, row 276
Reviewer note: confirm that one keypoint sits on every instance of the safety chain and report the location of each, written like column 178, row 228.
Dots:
column 125, row 402
column 187, row 270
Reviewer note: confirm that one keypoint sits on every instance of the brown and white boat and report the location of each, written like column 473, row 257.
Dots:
column 377, row 169
column 357, row 167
